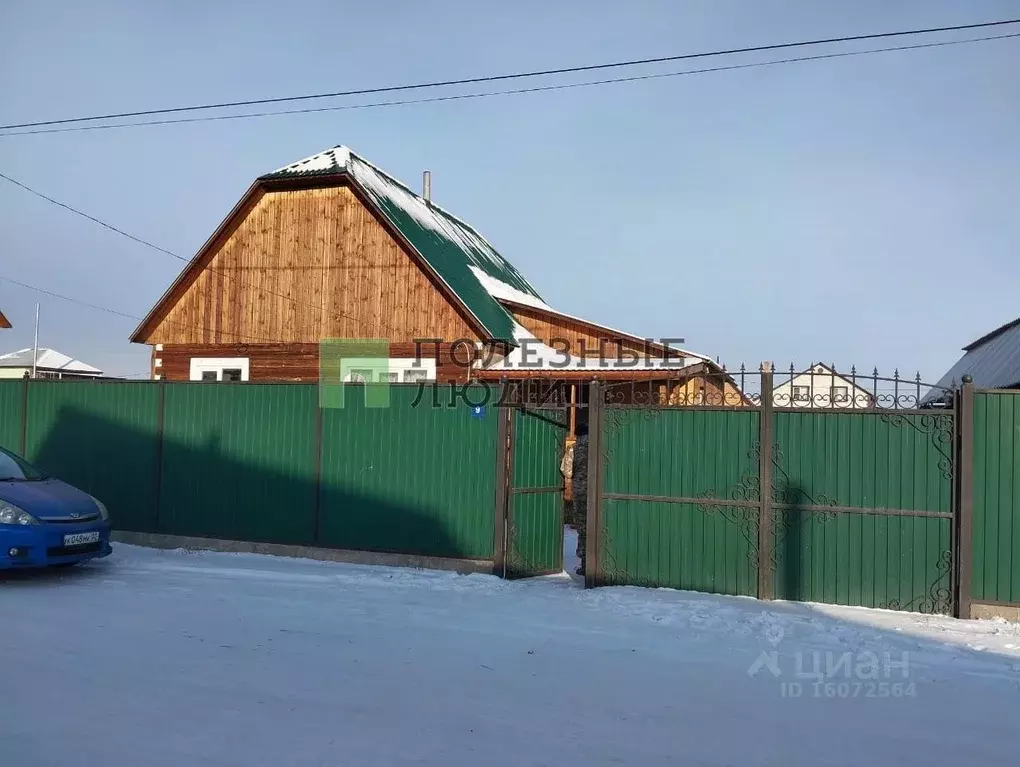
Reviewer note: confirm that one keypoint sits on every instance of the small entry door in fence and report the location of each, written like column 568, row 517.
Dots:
column 534, row 521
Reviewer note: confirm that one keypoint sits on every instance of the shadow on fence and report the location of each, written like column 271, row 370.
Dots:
column 206, row 491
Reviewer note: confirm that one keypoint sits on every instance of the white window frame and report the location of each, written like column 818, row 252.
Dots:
column 384, row 371
column 217, row 365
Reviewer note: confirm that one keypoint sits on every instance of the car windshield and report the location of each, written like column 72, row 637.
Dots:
column 15, row 469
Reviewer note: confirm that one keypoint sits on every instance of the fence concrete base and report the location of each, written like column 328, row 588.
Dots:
column 159, row 541
column 1009, row 612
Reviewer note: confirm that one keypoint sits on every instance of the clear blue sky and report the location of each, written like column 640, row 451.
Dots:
column 860, row 210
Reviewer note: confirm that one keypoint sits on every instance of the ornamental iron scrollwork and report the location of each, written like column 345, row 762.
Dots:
column 939, row 427
column 938, row 600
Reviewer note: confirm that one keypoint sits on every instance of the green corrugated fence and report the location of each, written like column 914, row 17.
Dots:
column 672, row 482
column 856, row 507
column 11, row 393
column 535, row 535
column 887, row 479
column 262, row 462
column 995, row 534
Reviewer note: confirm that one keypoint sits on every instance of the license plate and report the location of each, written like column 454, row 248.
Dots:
column 80, row 539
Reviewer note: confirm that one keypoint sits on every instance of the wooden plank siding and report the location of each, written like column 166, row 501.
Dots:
column 304, row 265
column 299, row 362
column 585, row 338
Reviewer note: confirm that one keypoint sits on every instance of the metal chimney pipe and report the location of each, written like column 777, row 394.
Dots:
column 426, row 182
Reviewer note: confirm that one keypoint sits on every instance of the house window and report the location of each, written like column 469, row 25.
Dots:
column 801, row 393
column 392, row 370
column 359, row 376
column 840, row 394
column 219, row 369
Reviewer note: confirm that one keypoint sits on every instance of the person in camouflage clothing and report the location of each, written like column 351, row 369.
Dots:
column 579, row 489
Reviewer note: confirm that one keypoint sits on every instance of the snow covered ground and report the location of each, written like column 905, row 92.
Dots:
column 176, row 658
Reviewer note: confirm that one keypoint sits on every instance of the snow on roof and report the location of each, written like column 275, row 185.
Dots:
column 619, row 333
column 503, row 292
column 48, row 359
column 331, row 161
column 459, row 255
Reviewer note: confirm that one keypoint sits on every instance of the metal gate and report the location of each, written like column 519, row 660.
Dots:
column 777, row 493
column 529, row 508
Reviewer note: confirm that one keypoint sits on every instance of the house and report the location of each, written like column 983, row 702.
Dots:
column 332, row 247
column 49, row 364
column 4, row 322
column 820, row 386
column 992, row 361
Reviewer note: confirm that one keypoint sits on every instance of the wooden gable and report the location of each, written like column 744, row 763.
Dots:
column 4, row 322
column 300, row 265
column 586, row 339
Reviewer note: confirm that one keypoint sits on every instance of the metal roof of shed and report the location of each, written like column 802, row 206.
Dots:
column 993, row 360
column 48, row 359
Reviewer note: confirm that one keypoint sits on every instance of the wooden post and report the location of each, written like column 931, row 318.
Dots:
column 573, row 411
column 765, row 521
column 593, row 573
column 965, row 496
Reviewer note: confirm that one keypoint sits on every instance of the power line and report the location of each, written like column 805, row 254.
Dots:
column 510, row 92
column 68, row 298
column 91, row 218
column 514, row 76
column 207, row 268
column 118, row 313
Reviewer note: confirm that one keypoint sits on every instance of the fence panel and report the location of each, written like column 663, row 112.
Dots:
column 535, row 534
column 408, row 479
column 995, row 533
column 102, row 438
column 11, row 393
column 239, row 462
column 863, row 508
column 680, row 498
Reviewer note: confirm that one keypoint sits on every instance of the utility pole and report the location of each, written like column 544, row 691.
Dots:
column 35, row 345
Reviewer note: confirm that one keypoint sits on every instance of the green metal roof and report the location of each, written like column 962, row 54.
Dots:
column 475, row 272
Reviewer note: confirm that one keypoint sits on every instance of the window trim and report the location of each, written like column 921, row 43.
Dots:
column 378, row 370
column 806, row 393
column 217, row 365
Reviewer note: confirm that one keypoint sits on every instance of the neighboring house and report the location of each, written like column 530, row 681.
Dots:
column 332, row 247
column 49, row 364
column 820, row 386
column 993, row 361
column 4, row 322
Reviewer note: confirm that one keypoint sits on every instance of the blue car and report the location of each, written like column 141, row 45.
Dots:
column 44, row 521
